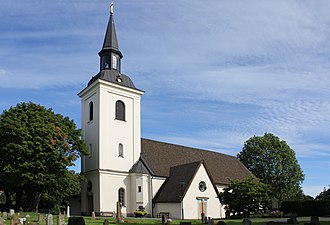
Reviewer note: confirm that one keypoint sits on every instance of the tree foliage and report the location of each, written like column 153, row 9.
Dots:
column 246, row 196
column 274, row 163
column 324, row 195
column 37, row 146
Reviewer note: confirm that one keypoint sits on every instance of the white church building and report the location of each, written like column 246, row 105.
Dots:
column 122, row 166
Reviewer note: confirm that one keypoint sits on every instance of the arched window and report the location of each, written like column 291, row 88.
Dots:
column 121, row 196
column 120, row 110
column 121, row 150
column 114, row 62
column 91, row 112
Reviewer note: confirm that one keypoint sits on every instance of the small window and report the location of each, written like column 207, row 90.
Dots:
column 91, row 111
column 121, row 196
column 202, row 186
column 139, row 189
column 120, row 110
column 121, row 150
column 114, row 62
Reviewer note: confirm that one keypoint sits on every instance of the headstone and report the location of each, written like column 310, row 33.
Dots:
column 106, row 222
column 49, row 219
column 163, row 219
column 40, row 218
column 315, row 220
column 13, row 222
column 292, row 219
column 205, row 220
column 221, row 223
column 11, row 212
column 5, row 215
column 22, row 220
column 118, row 213
column 68, row 211
column 185, row 223
column 246, row 222
column 93, row 216
column 211, row 222
column 2, row 222
column 60, row 219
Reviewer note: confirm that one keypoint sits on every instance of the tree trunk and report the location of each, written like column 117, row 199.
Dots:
column 36, row 202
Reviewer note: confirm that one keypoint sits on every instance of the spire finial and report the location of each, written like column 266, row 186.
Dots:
column 111, row 8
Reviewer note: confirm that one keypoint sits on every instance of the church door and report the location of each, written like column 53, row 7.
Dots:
column 202, row 208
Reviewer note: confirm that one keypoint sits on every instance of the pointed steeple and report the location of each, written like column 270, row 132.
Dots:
column 110, row 53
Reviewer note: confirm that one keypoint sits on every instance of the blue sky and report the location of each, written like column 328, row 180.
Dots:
column 215, row 72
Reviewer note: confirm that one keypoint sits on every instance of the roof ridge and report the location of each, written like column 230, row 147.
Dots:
column 193, row 148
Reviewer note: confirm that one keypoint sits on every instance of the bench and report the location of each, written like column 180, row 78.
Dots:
column 166, row 214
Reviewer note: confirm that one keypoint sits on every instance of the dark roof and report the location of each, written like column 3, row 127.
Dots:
column 140, row 167
column 176, row 186
column 112, row 76
column 110, row 39
column 160, row 157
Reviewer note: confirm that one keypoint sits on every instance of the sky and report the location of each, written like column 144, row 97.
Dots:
column 214, row 72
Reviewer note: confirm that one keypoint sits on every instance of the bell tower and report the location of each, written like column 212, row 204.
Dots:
column 111, row 130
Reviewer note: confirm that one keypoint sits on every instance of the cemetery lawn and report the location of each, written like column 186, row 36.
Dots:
column 138, row 221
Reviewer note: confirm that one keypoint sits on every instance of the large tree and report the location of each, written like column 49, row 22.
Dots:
column 37, row 146
column 273, row 162
column 245, row 196
column 324, row 195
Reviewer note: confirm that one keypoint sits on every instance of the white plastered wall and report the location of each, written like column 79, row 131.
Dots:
column 220, row 188
column 114, row 132
column 190, row 202
column 104, row 133
column 173, row 208
column 110, row 183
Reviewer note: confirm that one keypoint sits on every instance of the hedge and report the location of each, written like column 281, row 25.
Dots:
column 306, row 208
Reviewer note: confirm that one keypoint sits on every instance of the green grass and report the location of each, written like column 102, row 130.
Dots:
column 137, row 221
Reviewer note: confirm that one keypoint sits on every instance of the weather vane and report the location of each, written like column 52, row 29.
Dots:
column 111, row 8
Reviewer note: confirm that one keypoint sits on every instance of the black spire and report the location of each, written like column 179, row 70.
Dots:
column 110, row 53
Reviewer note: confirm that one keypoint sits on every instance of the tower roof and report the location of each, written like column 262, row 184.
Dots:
column 110, row 42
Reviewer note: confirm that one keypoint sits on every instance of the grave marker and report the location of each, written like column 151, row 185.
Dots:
column 60, row 219
column 49, row 219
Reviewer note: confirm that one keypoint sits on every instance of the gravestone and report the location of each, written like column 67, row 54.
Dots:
column 185, row 223
column 246, row 222
column 163, row 219
column 13, row 222
column 5, row 215
column 68, row 211
column 292, row 219
column 315, row 220
column 93, row 216
column 60, row 219
column 49, row 219
column 119, row 216
column 11, row 212
column 106, row 222
column 2, row 222
column 221, row 223
column 22, row 220
column 40, row 218
column 211, row 221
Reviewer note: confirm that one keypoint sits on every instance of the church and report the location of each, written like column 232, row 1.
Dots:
column 121, row 166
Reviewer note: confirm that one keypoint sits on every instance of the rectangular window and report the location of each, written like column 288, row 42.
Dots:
column 139, row 189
